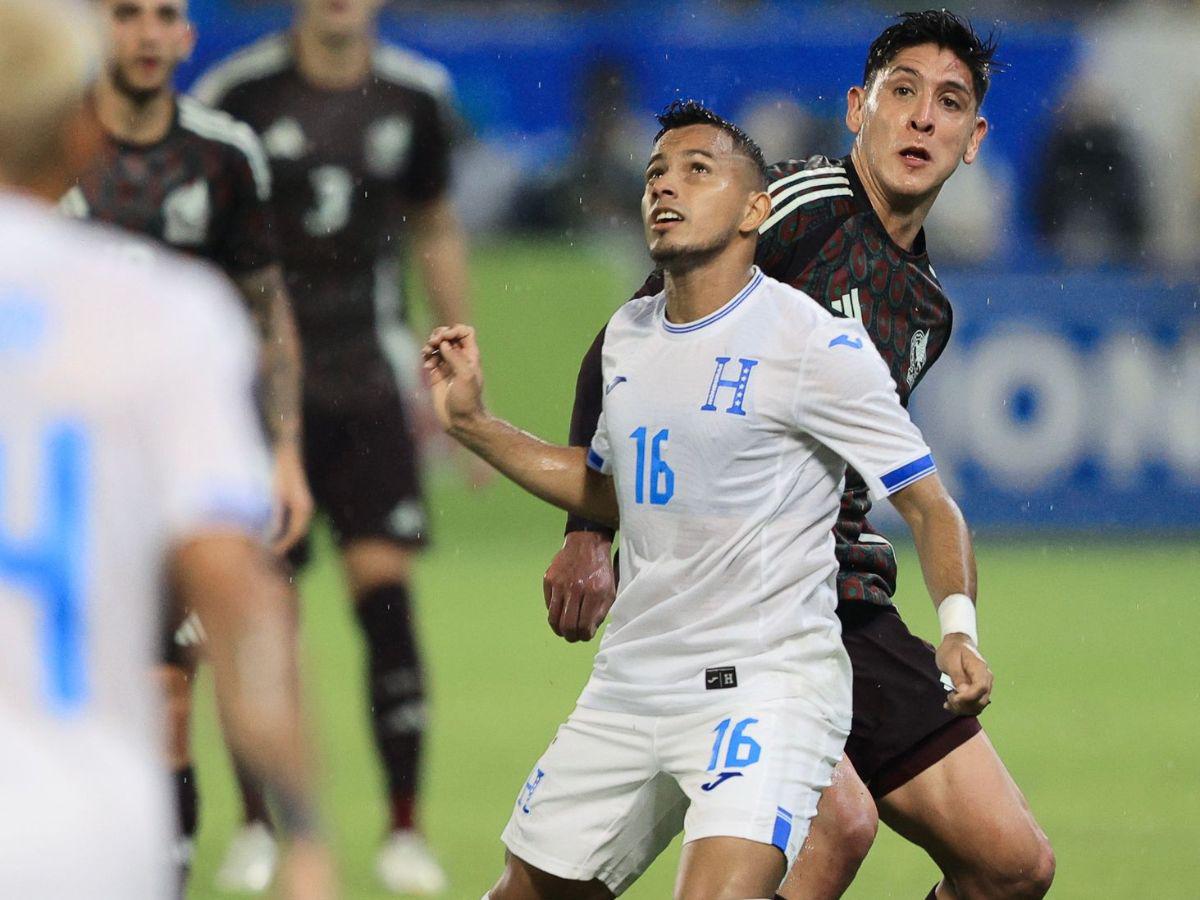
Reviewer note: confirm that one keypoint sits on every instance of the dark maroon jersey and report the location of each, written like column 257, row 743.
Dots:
column 347, row 165
column 824, row 238
column 203, row 189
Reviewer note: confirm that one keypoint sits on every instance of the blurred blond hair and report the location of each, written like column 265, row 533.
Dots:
column 50, row 54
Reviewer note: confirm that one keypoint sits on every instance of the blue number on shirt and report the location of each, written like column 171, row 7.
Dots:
column 660, row 475
column 742, row 749
column 47, row 563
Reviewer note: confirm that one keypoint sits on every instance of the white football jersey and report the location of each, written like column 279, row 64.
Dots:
column 728, row 439
column 127, row 426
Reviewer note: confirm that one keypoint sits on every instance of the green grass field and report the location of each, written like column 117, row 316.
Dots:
column 1098, row 680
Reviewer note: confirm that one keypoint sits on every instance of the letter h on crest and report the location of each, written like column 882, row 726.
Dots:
column 738, row 384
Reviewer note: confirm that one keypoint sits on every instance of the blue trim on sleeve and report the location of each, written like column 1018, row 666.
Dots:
column 907, row 474
column 595, row 461
column 783, row 829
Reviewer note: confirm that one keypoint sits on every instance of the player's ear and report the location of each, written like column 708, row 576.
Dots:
column 189, row 42
column 758, row 208
column 856, row 99
column 978, row 133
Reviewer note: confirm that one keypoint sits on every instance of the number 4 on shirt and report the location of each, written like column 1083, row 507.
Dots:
column 660, row 475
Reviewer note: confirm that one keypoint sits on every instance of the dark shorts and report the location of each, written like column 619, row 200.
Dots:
column 363, row 471
column 899, row 728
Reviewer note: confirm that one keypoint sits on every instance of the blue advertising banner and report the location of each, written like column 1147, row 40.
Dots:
column 1069, row 401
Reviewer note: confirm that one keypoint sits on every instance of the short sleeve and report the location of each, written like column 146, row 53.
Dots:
column 248, row 243
column 205, row 435
column 847, row 400
column 599, row 456
column 434, row 130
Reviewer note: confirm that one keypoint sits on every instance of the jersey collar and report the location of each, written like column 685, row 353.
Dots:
column 756, row 278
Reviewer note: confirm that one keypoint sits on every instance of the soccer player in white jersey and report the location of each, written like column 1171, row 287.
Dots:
column 131, row 463
column 720, row 698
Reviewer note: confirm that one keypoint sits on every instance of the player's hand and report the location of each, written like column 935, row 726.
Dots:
column 959, row 658
column 451, row 358
column 293, row 502
column 579, row 586
column 306, row 872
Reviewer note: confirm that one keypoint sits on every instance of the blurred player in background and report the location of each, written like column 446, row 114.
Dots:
column 359, row 138
column 848, row 232
column 174, row 170
column 130, row 457
column 732, row 404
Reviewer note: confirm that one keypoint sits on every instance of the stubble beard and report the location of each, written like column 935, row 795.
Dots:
column 678, row 260
column 139, row 97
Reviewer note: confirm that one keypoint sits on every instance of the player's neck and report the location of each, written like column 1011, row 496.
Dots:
column 333, row 64
column 694, row 292
column 903, row 221
column 130, row 121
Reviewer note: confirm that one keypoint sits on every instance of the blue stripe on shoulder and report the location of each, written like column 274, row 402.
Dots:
column 595, row 461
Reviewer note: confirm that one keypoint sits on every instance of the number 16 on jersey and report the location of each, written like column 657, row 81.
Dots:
column 658, row 473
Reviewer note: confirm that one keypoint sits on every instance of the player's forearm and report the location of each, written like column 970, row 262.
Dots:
column 559, row 475
column 440, row 246
column 282, row 362
column 941, row 536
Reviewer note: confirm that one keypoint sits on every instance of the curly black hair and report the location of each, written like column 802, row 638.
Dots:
column 945, row 29
column 681, row 113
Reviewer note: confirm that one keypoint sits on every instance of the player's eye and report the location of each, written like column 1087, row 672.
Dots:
column 903, row 90
column 652, row 174
column 699, row 167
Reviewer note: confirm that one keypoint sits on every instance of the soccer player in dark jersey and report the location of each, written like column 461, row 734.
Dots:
column 848, row 232
column 175, row 171
column 359, row 136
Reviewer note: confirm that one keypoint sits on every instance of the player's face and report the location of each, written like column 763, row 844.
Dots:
column 916, row 121
column 340, row 18
column 148, row 39
column 699, row 195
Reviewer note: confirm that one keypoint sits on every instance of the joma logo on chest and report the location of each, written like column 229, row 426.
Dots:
column 738, row 385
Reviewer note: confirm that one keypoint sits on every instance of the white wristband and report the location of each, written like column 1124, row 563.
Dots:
column 957, row 614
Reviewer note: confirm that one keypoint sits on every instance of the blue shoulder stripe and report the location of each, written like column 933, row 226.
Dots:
column 907, row 474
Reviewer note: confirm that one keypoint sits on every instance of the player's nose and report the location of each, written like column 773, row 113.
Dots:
column 922, row 117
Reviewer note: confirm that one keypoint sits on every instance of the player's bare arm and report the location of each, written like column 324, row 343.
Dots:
column 231, row 583
column 948, row 564
column 267, row 297
column 559, row 475
column 440, row 248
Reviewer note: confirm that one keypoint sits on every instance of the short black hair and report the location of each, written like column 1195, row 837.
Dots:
column 681, row 113
column 947, row 30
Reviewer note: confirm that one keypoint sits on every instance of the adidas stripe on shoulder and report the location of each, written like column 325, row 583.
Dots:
column 792, row 191
column 222, row 127
column 264, row 57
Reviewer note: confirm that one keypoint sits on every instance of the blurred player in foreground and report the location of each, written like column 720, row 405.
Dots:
column 848, row 232
column 720, row 699
column 131, row 459
column 176, row 171
column 359, row 139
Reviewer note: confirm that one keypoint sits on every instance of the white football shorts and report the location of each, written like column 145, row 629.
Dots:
column 613, row 790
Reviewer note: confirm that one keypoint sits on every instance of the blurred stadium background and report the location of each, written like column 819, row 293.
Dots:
column 1066, row 414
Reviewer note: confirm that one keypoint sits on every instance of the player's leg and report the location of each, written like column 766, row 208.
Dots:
column 969, row 815
column 593, row 813
column 902, row 743
column 174, row 676
column 838, row 839
column 754, row 773
column 373, row 498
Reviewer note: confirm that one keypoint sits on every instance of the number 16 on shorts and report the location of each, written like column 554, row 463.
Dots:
column 732, row 751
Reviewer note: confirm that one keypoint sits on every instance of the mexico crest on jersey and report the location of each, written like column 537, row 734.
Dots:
column 916, row 355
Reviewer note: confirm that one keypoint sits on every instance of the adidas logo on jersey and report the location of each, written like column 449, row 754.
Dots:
column 847, row 305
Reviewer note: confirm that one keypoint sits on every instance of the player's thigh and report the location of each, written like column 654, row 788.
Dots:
column 839, row 839
column 967, row 812
column 372, row 492
column 754, row 770
column 900, row 725
column 596, row 805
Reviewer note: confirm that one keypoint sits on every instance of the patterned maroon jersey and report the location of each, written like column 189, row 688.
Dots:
column 824, row 238
column 203, row 189
column 347, row 166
